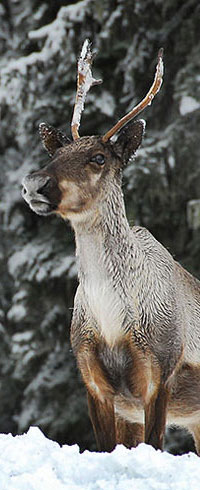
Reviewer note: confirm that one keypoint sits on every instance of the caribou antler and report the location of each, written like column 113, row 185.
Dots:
column 85, row 80
column 146, row 101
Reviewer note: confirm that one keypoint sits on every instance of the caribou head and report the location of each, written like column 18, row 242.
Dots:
column 83, row 169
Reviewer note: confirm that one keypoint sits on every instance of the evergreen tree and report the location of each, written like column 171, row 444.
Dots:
column 39, row 45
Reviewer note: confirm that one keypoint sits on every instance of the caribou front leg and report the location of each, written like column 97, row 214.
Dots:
column 155, row 418
column 100, row 397
column 103, row 422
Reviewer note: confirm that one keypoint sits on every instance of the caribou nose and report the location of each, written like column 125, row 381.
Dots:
column 34, row 184
column 41, row 192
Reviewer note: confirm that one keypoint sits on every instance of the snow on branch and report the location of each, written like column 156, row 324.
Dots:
column 85, row 80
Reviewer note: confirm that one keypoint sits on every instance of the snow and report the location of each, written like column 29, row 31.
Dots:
column 188, row 104
column 85, row 81
column 54, row 32
column 22, row 337
column 39, row 259
column 17, row 313
column 33, row 462
column 105, row 103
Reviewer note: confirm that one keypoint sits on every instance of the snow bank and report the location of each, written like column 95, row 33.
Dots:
column 33, row 462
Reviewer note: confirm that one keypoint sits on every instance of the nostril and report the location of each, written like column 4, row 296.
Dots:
column 34, row 184
column 43, row 187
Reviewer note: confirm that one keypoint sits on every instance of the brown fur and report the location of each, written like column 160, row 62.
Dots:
column 136, row 320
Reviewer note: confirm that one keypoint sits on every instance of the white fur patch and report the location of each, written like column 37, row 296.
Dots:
column 103, row 301
column 130, row 412
column 184, row 421
column 105, row 305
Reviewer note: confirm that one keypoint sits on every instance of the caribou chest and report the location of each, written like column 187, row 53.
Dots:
column 104, row 302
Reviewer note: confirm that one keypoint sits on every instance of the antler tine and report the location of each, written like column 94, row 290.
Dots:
column 85, row 80
column 145, row 102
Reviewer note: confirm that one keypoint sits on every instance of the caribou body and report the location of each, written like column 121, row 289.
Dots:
column 136, row 321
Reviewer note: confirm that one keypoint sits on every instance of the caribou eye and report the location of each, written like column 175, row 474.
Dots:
column 99, row 159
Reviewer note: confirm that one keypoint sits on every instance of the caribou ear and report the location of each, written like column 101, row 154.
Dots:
column 52, row 138
column 129, row 140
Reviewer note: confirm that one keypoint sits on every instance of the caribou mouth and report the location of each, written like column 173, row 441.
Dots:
column 36, row 192
column 39, row 204
column 42, row 208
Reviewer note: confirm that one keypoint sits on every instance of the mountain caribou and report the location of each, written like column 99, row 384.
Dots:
column 136, row 321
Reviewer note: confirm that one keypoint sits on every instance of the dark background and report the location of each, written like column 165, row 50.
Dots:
column 39, row 45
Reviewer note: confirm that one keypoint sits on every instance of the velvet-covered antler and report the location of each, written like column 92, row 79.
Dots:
column 145, row 102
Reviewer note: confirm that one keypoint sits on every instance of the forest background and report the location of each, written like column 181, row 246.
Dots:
column 39, row 44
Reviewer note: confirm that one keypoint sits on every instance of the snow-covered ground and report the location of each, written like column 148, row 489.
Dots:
column 33, row 462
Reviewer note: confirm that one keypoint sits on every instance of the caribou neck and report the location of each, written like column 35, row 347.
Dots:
column 105, row 245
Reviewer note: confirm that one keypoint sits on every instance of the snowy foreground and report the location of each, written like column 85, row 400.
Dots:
column 33, row 462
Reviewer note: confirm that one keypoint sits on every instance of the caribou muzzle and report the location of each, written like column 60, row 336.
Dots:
column 41, row 192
